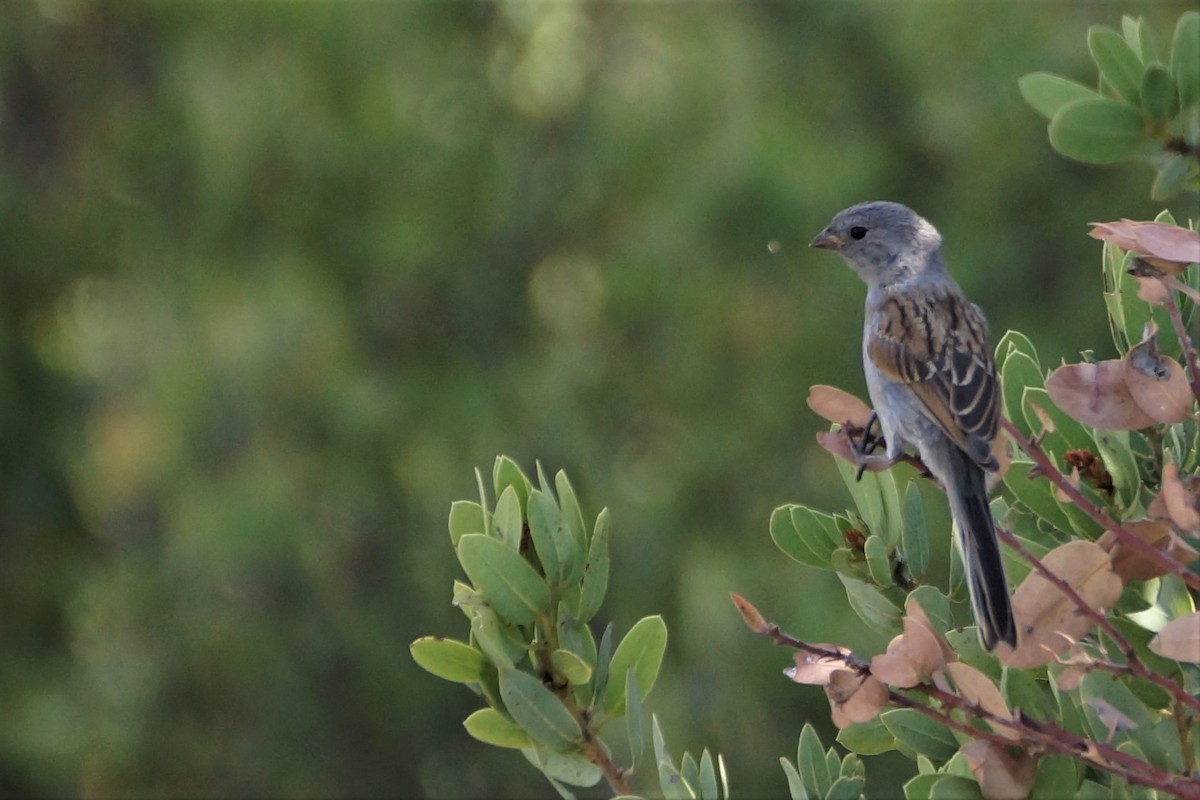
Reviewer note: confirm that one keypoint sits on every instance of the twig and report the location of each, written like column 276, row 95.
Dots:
column 1134, row 665
column 1047, row 736
column 1185, row 342
column 1051, row 472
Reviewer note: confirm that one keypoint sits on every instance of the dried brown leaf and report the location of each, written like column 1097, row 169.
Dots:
column 854, row 697
column 835, row 405
column 1129, row 564
column 975, row 687
column 750, row 615
column 1156, row 383
column 1000, row 774
column 816, row 670
column 911, row 658
column 1181, row 504
column 1047, row 620
column 1096, row 395
column 1179, row 639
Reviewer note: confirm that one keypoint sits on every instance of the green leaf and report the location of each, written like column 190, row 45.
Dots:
column 936, row 606
column 1118, row 459
column 914, row 535
column 572, row 516
column 1036, row 494
column 570, row 768
column 1047, row 93
column 1020, row 371
column 1160, row 100
column 640, row 651
column 919, row 787
column 878, row 561
column 571, row 666
column 795, row 783
column 893, row 513
column 799, row 532
column 538, row 711
column 846, row 789
column 867, row 738
column 505, row 473
column 1117, row 61
column 1185, row 58
column 507, row 518
column 505, row 580
column 603, row 662
column 866, row 494
column 493, row 727
column 690, row 771
column 852, row 766
column 1024, row 691
column 1171, row 179
column 449, row 659
column 595, row 572
column 920, row 734
column 1057, row 776
column 551, row 539
column 495, row 637
column 955, row 787
column 1132, row 29
column 465, row 517
column 880, row 613
column 708, row 777
column 1068, row 433
column 810, row 760
column 635, row 724
column 1098, row 131
column 669, row 779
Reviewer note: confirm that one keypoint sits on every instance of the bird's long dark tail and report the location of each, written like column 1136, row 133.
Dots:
column 967, row 491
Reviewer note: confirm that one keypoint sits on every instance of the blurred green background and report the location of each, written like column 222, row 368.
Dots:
column 277, row 276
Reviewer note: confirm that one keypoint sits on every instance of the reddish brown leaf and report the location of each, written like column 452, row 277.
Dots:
column 1129, row 564
column 854, row 697
column 750, row 615
column 1169, row 247
column 1179, row 639
column 838, row 406
column 1096, row 395
column 1047, row 620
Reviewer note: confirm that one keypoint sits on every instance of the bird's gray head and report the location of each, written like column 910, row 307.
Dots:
column 883, row 242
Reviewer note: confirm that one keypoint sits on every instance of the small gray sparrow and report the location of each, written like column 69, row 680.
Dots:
column 932, row 381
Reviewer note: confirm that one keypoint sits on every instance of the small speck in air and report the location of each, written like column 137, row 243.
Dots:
column 774, row 247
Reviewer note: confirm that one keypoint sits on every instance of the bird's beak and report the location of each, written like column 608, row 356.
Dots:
column 827, row 240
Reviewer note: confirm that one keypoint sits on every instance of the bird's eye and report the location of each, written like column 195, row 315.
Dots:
column 858, row 232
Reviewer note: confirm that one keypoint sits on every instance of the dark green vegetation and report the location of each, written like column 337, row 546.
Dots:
column 273, row 275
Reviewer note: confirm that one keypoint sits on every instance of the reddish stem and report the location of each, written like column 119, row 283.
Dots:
column 1127, row 538
column 1185, row 342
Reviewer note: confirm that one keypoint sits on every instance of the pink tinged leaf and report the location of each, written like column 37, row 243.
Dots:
column 1169, row 247
column 1117, row 233
column 1156, row 383
column 838, row 443
column 1152, row 290
column 1181, row 504
column 1096, row 395
column 838, row 406
column 816, row 670
column 1048, row 622
column 1179, row 639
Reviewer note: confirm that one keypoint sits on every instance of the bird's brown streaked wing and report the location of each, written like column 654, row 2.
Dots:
column 936, row 343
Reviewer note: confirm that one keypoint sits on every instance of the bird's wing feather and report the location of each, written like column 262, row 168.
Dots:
column 935, row 343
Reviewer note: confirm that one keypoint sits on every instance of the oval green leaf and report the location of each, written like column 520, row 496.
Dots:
column 796, row 532
column 571, row 666
column 1098, row 131
column 867, row 738
column 572, row 516
column 595, row 572
column 920, row 733
column 872, row 606
column 505, row 580
column 914, row 535
column 1117, row 61
column 449, row 659
column 1160, row 100
column 506, row 473
column 492, row 727
column 878, row 562
column 536, row 709
column 1185, row 58
column 1047, row 93
column 551, row 539
column 465, row 517
column 641, row 651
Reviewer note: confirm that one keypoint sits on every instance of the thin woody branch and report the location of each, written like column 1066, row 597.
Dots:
column 1127, row 538
column 1185, row 342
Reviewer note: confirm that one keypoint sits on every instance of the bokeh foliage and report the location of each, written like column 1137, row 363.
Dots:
column 274, row 273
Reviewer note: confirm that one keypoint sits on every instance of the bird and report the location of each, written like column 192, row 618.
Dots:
column 932, row 382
